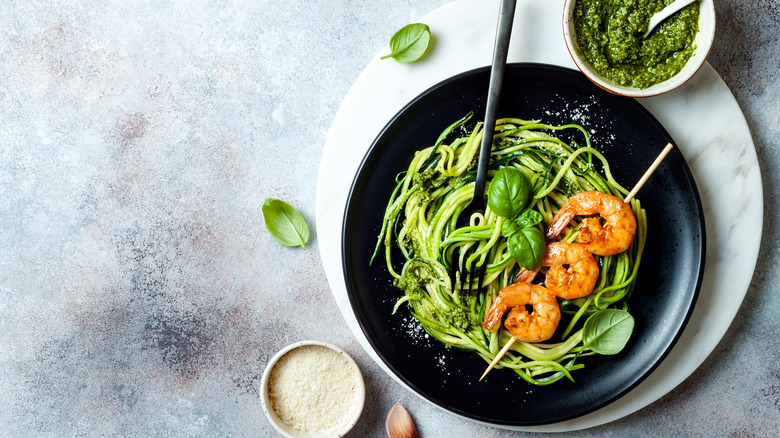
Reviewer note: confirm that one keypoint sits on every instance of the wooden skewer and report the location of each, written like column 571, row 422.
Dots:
column 498, row 357
column 649, row 172
column 630, row 196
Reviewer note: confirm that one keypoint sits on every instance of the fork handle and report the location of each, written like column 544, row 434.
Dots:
column 500, row 51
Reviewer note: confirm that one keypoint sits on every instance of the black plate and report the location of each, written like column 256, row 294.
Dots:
column 669, row 275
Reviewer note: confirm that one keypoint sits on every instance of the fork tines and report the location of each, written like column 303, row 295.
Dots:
column 468, row 277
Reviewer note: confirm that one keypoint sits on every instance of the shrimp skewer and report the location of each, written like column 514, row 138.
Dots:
column 527, row 275
column 573, row 271
column 576, row 281
column 537, row 326
column 616, row 234
column 613, row 237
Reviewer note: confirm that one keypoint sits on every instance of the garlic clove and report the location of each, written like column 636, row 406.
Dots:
column 399, row 423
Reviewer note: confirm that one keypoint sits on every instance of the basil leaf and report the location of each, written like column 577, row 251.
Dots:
column 409, row 43
column 509, row 228
column 528, row 218
column 285, row 224
column 607, row 331
column 527, row 247
column 508, row 192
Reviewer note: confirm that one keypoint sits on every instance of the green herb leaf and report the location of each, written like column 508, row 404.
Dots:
column 527, row 247
column 285, row 224
column 509, row 227
column 529, row 218
column 508, row 192
column 607, row 331
column 409, row 43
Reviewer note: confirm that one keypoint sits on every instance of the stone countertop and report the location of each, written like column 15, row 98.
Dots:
column 140, row 293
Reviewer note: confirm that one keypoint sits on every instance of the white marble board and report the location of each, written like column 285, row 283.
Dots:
column 702, row 117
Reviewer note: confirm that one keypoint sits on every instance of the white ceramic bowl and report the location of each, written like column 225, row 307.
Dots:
column 703, row 42
column 290, row 432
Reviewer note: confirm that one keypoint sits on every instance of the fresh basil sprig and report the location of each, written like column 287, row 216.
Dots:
column 527, row 247
column 508, row 195
column 409, row 43
column 285, row 223
column 528, row 218
column 607, row 331
column 508, row 192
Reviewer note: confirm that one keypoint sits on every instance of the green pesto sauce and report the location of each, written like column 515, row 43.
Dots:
column 610, row 36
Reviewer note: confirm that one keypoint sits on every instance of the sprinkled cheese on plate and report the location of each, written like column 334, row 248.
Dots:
column 312, row 388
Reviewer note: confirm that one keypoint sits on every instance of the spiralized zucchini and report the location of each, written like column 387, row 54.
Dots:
column 419, row 222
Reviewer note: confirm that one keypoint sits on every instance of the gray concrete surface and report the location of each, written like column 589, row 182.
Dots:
column 140, row 294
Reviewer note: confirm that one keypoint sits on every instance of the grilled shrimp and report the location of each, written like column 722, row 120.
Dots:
column 526, row 276
column 611, row 238
column 536, row 326
column 579, row 279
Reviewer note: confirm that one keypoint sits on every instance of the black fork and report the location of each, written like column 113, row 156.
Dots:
column 474, row 272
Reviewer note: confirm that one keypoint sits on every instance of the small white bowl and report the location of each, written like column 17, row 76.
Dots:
column 703, row 42
column 290, row 432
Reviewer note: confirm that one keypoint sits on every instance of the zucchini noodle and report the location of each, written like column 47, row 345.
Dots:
column 419, row 223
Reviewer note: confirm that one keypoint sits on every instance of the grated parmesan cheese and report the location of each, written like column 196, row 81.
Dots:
column 312, row 388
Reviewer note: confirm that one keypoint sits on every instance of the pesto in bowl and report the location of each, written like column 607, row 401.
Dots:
column 610, row 37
